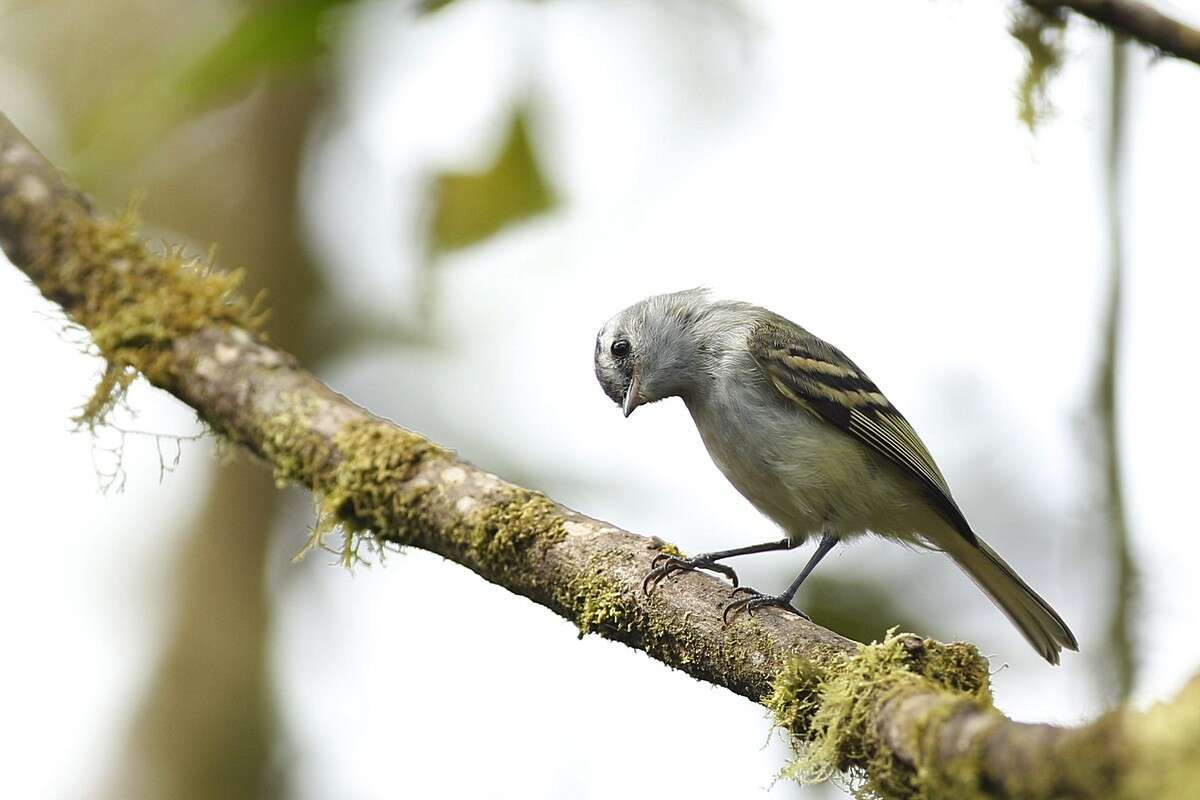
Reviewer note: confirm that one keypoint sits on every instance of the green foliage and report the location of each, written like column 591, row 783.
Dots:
column 1042, row 34
column 278, row 36
column 271, row 38
column 471, row 207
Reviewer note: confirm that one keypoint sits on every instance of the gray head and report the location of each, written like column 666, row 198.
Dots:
column 649, row 351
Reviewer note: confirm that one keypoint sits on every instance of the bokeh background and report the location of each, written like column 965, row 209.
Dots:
column 444, row 204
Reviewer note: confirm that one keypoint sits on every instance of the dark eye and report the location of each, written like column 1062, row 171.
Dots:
column 620, row 348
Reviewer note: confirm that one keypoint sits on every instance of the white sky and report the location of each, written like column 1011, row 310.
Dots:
column 883, row 195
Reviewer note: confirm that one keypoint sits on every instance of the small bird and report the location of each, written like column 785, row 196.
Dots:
column 806, row 437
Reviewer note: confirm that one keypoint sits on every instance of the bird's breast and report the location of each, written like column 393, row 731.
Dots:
column 801, row 472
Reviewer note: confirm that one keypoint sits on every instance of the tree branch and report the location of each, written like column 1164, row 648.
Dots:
column 1136, row 20
column 913, row 717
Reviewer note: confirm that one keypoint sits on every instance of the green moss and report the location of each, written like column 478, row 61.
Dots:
column 356, row 476
column 364, row 478
column 599, row 602
column 828, row 710
column 956, row 666
column 288, row 444
column 368, row 495
column 373, row 458
column 795, row 695
column 1041, row 33
column 135, row 303
column 500, row 536
column 663, row 546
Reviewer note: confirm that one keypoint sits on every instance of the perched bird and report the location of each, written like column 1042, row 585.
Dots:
column 807, row 438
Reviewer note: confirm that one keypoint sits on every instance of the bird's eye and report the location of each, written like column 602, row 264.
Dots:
column 620, row 348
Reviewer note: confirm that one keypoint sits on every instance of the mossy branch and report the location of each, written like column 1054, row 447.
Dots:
column 1136, row 20
column 908, row 717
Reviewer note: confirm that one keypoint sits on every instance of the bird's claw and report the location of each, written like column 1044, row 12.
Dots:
column 755, row 600
column 665, row 564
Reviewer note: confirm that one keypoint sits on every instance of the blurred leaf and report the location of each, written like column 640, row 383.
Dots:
column 272, row 37
column 431, row 6
column 857, row 610
column 471, row 207
column 276, row 36
column 424, row 7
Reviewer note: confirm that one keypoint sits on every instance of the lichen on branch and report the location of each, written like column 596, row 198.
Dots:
column 1042, row 34
column 832, row 714
column 134, row 303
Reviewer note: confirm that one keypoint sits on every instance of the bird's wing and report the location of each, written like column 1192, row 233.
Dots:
column 821, row 380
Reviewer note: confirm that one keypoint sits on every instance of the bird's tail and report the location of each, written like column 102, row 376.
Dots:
column 1038, row 622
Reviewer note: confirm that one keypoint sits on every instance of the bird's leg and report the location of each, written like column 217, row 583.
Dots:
column 754, row 599
column 665, row 564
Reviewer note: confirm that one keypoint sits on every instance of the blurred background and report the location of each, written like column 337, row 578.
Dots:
column 445, row 202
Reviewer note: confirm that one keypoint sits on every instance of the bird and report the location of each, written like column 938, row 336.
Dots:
column 804, row 435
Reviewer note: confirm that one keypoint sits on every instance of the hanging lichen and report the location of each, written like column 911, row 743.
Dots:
column 1043, row 35
column 829, row 711
column 135, row 303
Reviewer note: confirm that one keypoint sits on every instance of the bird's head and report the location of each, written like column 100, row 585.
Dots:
column 648, row 351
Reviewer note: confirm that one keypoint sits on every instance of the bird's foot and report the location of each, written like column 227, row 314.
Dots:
column 665, row 565
column 755, row 600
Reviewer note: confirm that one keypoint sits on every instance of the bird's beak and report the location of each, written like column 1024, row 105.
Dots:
column 633, row 397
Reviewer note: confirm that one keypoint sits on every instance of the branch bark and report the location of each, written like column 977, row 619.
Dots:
column 1136, row 20
column 913, row 717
